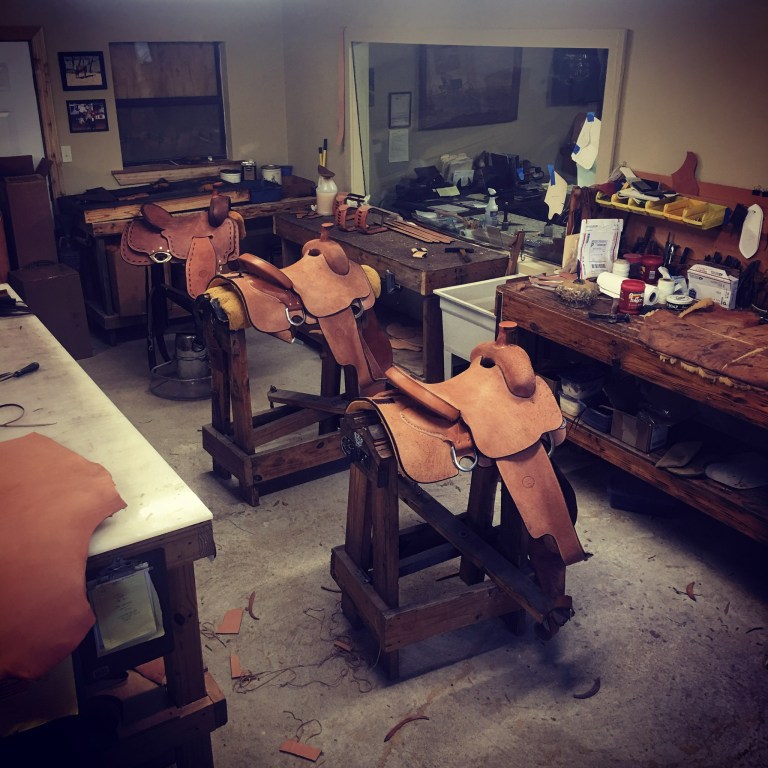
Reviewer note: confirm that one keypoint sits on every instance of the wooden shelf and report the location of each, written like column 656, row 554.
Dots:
column 540, row 316
column 746, row 511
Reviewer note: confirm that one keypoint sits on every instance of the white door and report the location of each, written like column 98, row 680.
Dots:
column 20, row 132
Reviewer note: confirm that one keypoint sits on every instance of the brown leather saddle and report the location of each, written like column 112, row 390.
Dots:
column 205, row 241
column 322, row 289
column 498, row 410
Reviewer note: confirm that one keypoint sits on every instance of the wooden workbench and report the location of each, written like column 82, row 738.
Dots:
column 389, row 253
column 540, row 315
column 105, row 224
column 63, row 403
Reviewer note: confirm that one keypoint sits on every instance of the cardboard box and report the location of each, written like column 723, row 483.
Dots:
column 5, row 262
column 27, row 205
column 53, row 293
column 127, row 284
column 705, row 282
column 16, row 165
column 638, row 432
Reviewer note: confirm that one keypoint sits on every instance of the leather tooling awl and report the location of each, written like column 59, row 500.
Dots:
column 21, row 372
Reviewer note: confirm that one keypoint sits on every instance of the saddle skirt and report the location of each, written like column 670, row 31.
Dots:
column 205, row 241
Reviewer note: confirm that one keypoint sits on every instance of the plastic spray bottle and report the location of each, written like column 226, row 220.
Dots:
column 491, row 209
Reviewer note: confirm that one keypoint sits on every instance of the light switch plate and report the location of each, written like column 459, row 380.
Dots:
column 66, row 154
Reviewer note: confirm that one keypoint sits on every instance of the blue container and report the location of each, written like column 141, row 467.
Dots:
column 261, row 191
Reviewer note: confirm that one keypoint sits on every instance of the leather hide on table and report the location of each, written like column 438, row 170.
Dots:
column 730, row 345
column 52, row 501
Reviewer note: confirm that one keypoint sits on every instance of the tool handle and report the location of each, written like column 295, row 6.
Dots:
column 26, row 369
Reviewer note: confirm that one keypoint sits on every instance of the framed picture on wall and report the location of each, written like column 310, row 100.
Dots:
column 82, row 71
column 461, row 85
column 87, row 116
column 400, row 109
column 577, row 77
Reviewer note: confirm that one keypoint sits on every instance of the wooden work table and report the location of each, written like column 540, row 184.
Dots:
column 389, row 253
column 62, row 402
column 540, row 315
column 102, row 224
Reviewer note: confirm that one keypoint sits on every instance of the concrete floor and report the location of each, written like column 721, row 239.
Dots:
column 683, row 682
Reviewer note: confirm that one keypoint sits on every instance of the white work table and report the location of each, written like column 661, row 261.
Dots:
column 83, row 419
column 63, row 403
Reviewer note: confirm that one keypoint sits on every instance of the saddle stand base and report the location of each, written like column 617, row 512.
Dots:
column 235, row 432
column 377, row 552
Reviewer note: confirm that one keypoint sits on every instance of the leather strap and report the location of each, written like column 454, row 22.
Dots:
column 531, row 481
column 342, row 333
column 218, row 209
column 201, row 266
column 421, row 395
column 253, row 265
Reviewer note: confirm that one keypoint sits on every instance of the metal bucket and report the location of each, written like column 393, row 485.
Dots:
column 191, row 357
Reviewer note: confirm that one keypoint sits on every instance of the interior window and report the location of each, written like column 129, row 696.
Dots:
column 169, row 102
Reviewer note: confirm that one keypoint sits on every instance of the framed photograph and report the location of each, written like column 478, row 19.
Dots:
column 461, row 85
column 82, row 71
column 87, row 116
column 577, row 77
column 400, row 109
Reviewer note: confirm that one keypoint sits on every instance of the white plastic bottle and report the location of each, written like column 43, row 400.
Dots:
column 326, row 194
column 491, row 209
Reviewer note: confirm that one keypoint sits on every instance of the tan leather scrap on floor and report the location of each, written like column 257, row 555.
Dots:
column 235, row 667
column 301, row 750
column 52, row 501
column 731, row 345
column 230, row 624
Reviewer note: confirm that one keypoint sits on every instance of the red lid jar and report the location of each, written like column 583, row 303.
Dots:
column 632, row 296
column 649, row 269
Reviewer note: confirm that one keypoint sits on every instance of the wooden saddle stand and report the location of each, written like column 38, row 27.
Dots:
column 203, row 243
column 323, row 298
column 398, row 432
column 490, row 421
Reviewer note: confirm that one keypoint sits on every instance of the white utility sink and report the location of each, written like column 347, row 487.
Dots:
column 469, row 312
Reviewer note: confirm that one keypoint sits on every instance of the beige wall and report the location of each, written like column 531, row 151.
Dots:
column 694, row 77
column 253, row 50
